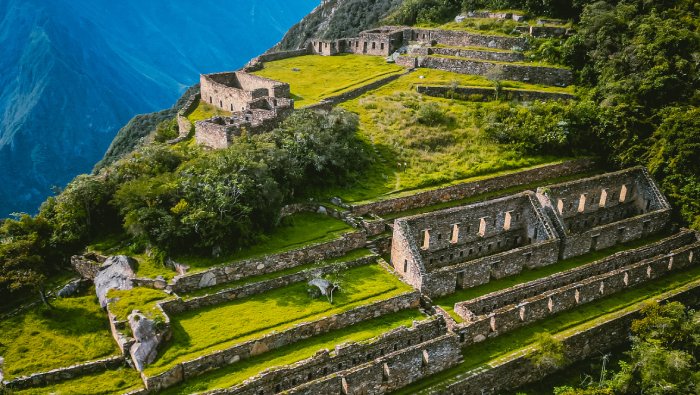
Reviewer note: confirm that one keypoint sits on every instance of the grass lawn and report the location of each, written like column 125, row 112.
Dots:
column 295, row 231
column 204, row 111
column 140, row 298
column 110, row 382
column 448, row 302
column 199, row 332
column 313, row 78
column 410, row 156
column 41, row 339
column 238, row 372
column 577, row 319
column 352, row 255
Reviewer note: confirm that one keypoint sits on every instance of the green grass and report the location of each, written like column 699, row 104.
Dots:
column 204, row 111
column 582, row 317
column 448, row 302
column 296, row 231
column 489, row 195
column 202, row 331
column 318, row 77
column 41, row 339
column 142, row 299
column 238, row 372
column 120, row 244
column 352, row 255
column 110, row 382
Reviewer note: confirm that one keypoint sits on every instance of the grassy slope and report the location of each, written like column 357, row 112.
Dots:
column 448, row 302
column 237, row 373
column 111, row 382
column 75, row 330
column 205, row 111
column 142, row 299
column 296, row 231
column 319, row 77
column 579, row 318
column 217, row 327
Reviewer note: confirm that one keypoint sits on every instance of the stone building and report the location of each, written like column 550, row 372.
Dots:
column 256, row 104
column 382, row 41
column 601, row 211
column 463, row 247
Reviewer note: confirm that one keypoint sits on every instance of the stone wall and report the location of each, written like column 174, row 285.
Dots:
column 185, row 370
column 234, row 91
column 87, row 265
column 495, row 300
column 514, row 72
column 258, row 62
column 593, row 340
column 178, row 305
column 184, row 125
column 499, row 56
column 268, row 263
column 62, row 374
column 332, row 101
column 343, row 357
column 466, row 246
column 459, row 38
column 487, row 94
column 526, row 311
column 390, row 372
column 468, row 189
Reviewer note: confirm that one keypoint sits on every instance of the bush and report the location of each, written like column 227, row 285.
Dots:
column 431, row 114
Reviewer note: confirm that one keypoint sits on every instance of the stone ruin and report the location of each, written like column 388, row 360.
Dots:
column 257, row 105
column 463, row 247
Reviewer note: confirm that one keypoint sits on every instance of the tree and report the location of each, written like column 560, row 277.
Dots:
column 325, row 284
column 549, row 352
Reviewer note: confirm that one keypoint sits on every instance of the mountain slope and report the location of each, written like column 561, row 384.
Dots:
column 74, row 72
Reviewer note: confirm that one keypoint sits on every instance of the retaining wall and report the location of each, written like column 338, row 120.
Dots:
column 514, row 72
column 305, row 330
column 500, row 56
column 488, row 94
column 268, row 263
column 62, row 374
column 494, row 300
column 332, row 101
column 177, row 306
column 567, row 297
column 184, row 125
column 468, row 189
column 460, row 38
column 519, row 369
column 343, row 357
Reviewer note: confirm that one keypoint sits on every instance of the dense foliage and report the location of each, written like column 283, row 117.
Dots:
column 663, row 358
column 637, row 62
column 183, row 199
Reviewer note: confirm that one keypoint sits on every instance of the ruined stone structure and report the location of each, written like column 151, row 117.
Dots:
column 605, row 210
column 382, row 41
column 467, row 246
column 257, row 105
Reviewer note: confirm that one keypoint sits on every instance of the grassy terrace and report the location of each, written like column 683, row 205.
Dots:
column 294, row 232
column 111, row 382
column 75, row 330
column 489, row 195
column 448, row 302
column 204, row 111
column 142, row 299
column 199, row 332
column 238, row 372
column 313, row 78
column 352, row 255
column 118, row 244
column 582, row 317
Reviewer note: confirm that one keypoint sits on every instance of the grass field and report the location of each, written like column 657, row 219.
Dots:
column 111, row 382
column 205, row 110
column 238, row 372
column 199, row 332
column 40, row 339
column 142, row 299
column 295, row 231
column 569, row 321
column 448, row 302
column 313, row 78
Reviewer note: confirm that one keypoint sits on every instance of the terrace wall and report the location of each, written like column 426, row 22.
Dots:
column 495, row 300
column 519, row 369
column 487, row 94
column 468, row 189
column 390, row 372
column 569, row 296
column 457, row 38
column 268, row 263
column 62, row 374
column 343, row 357
column 514, row 72
column 499, row 56
column 305, row 330
column 177, row 306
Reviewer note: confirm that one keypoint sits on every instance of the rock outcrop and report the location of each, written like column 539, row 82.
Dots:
column 148, row 336
column 116, row 272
